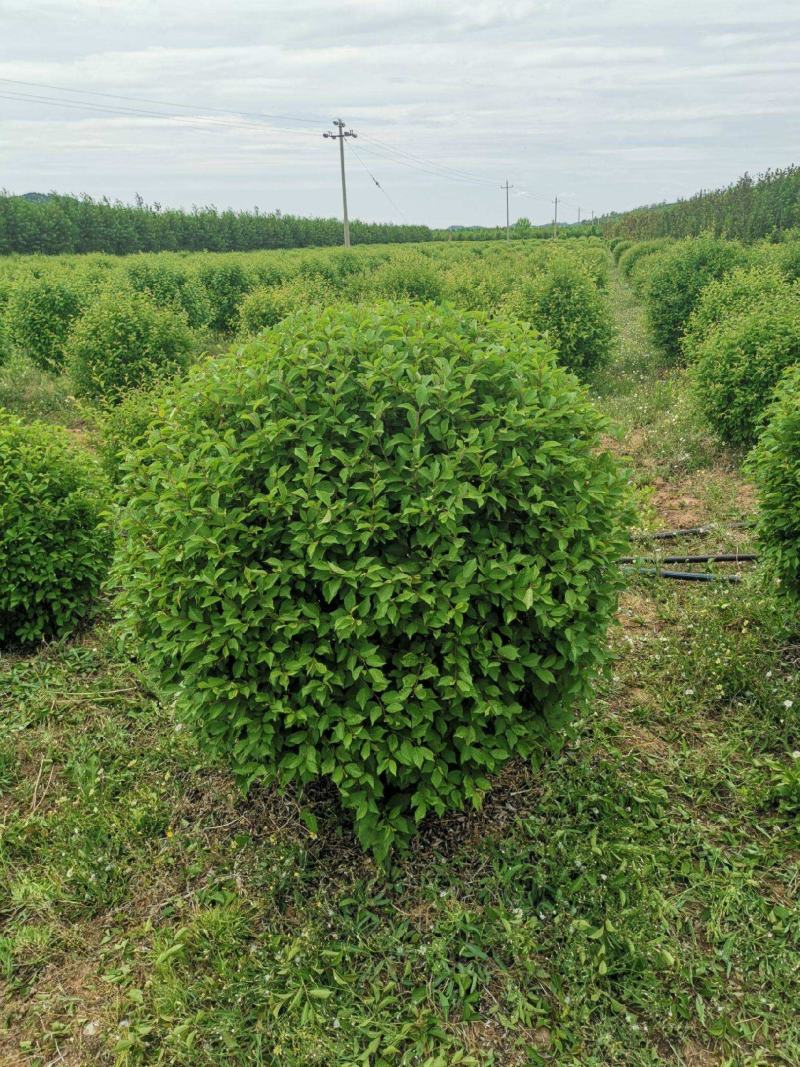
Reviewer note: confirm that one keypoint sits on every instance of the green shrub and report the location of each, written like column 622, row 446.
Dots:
column 787, row 259
column 566, row 306
column 676, row 280
column 475, row 287
column 744, row 289
column 170, row 287
column 408, row 276
column 54, row 543
column 775, row 465
column 740, row 362
column 376, row 545
column 226, row 283
column 261, row 308
column 594, row 261
column 268, row 305
column 639, row 251
column 5, row 341
column 124, row 340
column 268, row 272
column 40, row 314
column 123, row 425
column 619, row 248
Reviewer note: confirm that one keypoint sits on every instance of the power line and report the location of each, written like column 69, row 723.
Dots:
column 119, row 111
column 447, row 170
column 360, row 159
column 164, row 103
column 375, row 145
column 425, row 170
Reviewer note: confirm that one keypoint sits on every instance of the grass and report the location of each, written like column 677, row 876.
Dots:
column 31, row 393
column 633, row 902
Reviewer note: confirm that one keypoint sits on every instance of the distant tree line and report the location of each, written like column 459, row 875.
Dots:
column 522, row 228
column 750, row 209
column 54, row 224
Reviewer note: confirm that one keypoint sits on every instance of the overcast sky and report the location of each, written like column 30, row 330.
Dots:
column 606, row 103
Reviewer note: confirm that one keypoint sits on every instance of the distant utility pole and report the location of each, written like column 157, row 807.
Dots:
column 508, row 227
column 340, row 136
column 555, row 219
column 579, row 216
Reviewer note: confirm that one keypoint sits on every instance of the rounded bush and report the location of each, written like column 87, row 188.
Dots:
column 40, row 314
column 122, row 426
column 408, row 276
column 744, row 289
column 775, row 465
column 226, row 283
column 740, row 362
column 639, row 251
column 170, row 287
column 475, row 286
column 675, row 281
column 54, row 542
column 5, row 341
column 376, row 545
column 268, row 305
column 619, row 248
column 593, row 259
column 125, row 340
column 787, row 259
column 567, row 307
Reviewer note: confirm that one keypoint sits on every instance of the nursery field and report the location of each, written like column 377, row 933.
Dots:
column 611, row 874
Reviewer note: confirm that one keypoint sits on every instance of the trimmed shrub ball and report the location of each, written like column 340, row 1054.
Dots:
column 376, row 545
column 744, row 289
column 121, row 426
column 620, row 248
column 407, row 275
column 565, row 304
column 775, row 465
column 54, row 542
column 267, row 305
column 675, row 280
column 125, row 340
column 170, row 286
column 226, row 282
column 631, row 256
column 40, row 314
column 5, row 341
column 739, row 364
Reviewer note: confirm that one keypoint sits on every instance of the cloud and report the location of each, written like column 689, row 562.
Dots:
column 618, row 102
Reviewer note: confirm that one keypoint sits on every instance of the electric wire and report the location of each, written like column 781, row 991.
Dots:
column 457, row 172
column 232, row 119
column 375, row 180
column 164, row 103
column 120, row 111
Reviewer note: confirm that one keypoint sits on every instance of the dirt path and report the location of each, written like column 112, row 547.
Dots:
column 683, row 477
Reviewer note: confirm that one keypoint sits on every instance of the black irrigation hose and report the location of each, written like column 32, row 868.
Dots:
column 682, row 576
column 722, row 557
column 689, row 531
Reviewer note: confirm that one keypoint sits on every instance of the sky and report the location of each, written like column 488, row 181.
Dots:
column 606, row 104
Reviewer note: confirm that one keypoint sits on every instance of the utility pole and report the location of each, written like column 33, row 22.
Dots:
column 340, row 136
column 508, row 229
column 555, row 219
column 579, row 216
